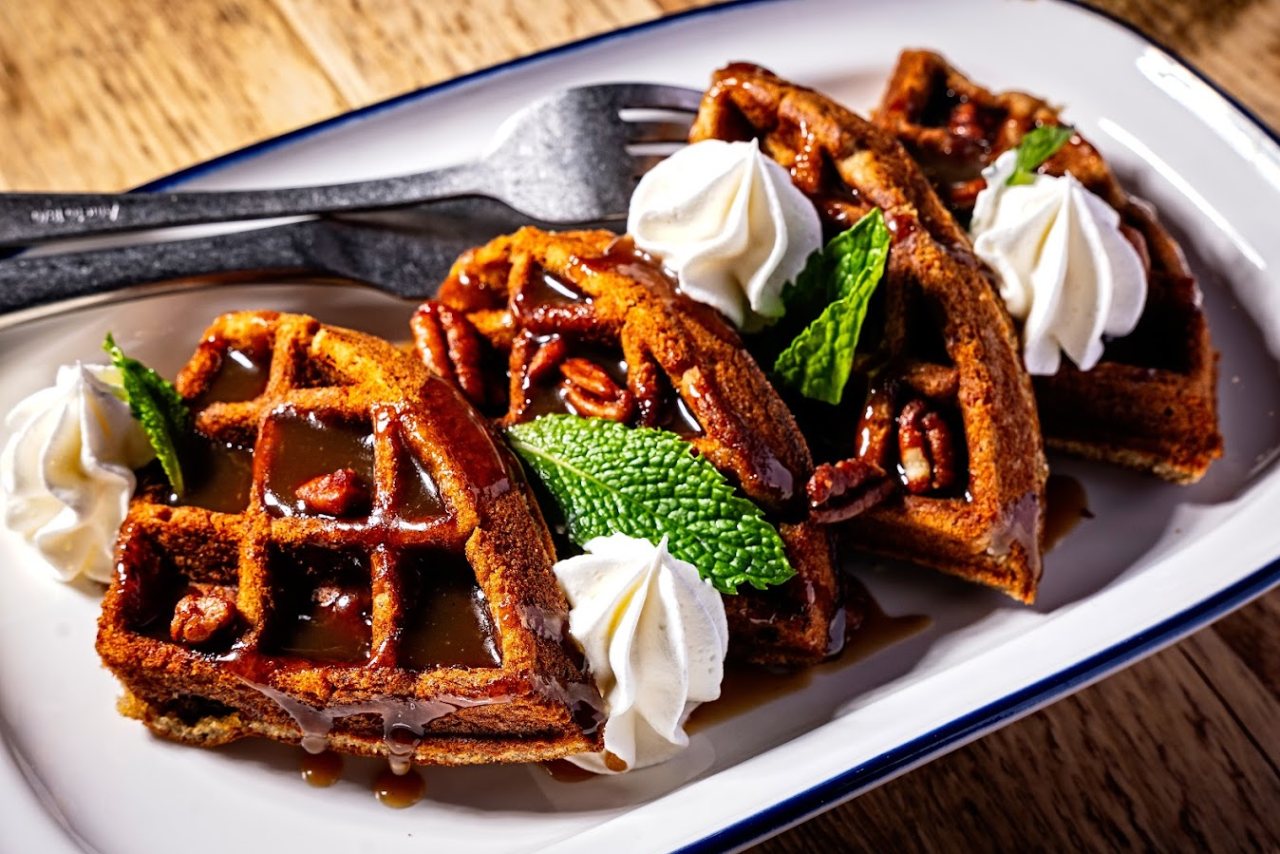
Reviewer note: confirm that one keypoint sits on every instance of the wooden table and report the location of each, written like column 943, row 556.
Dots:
column 1180, row 750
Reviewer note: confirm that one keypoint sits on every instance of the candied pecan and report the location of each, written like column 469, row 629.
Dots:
column 450, row 346
column 925, row 450
column 913, row 452
column 876, row 426
column 546, row 358
column 200, row 617
column 338, row 493
column 842, row 490
column 941, row 452
column 593, row 393
column 646, row 380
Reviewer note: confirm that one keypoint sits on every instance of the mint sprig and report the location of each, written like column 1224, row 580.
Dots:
column 1035, row 148
column 156, row 404
column 609, row 478
column 836, row 285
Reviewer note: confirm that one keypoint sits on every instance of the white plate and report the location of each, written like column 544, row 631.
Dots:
column 1156, row 563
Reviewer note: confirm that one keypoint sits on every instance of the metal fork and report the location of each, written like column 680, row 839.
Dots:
column 571, row 157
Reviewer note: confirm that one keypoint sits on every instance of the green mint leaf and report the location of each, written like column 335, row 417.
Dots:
column 609, row 478
column 156, row 404
column 1036, row 147
column 819, row 359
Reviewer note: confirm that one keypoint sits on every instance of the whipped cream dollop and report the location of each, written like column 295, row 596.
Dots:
column 655, row 636
column 67, row 469
column 1066, row 271
column 731, row 225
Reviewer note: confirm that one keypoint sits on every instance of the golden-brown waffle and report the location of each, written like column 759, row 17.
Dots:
column 948, row 405
column 1150, row 403
column 355, row 564
column 536, row 323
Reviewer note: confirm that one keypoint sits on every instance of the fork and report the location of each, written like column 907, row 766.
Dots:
column 574, row 156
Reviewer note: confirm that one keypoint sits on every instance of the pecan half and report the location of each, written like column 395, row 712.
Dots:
column 546, row 358
column 842, row 490
column 200, row 617
column 925, row 449
column 876, row 427
column 590, row 390
column 338, row 493
column 450, row 346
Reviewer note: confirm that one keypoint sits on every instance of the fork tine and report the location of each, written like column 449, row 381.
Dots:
column 652, row 96
column 657, row 131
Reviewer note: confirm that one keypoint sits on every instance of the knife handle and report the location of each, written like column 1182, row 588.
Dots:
column 30, row 281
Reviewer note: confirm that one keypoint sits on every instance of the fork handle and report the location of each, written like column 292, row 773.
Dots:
column 30, row 281
column 32, row 218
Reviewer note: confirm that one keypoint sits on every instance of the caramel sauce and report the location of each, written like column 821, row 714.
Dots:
column 564, row 771
column 306, row 447
column 321, row 769
column 448, row 624
column 242, row 375
column 622, row 257
column 218, row 476
column 417, row 496
column 1065, row 505
column 677, row 418
column 547, row 397
column 323, row 609
column 399, row 790
column 746, row 687
column 545, row 288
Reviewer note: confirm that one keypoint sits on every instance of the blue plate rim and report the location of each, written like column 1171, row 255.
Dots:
column 846, row 785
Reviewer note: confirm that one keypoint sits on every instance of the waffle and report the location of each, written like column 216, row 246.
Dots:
column 1150, row 403
column 355, row 564
column 579, row 322
column 946, row 404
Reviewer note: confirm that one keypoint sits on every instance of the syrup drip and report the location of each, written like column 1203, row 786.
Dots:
column 399, row 791
column 321, row 769
column 1065, row 505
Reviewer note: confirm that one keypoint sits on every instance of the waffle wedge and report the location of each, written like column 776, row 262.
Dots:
column 940, row 396
column 354, row 564
column 537, row 323
column 1150, row 404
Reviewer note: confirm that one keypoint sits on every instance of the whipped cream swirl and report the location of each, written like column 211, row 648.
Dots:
column 67, row 469
column 655, row 637
column 730, row 224
column 1066, row 271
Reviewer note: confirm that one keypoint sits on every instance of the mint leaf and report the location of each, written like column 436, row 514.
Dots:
column 156, row 404
column 1036, row 147
column 609, row 478
column 819, row 359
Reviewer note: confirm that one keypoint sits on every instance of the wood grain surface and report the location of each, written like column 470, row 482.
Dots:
column 1181, row 751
